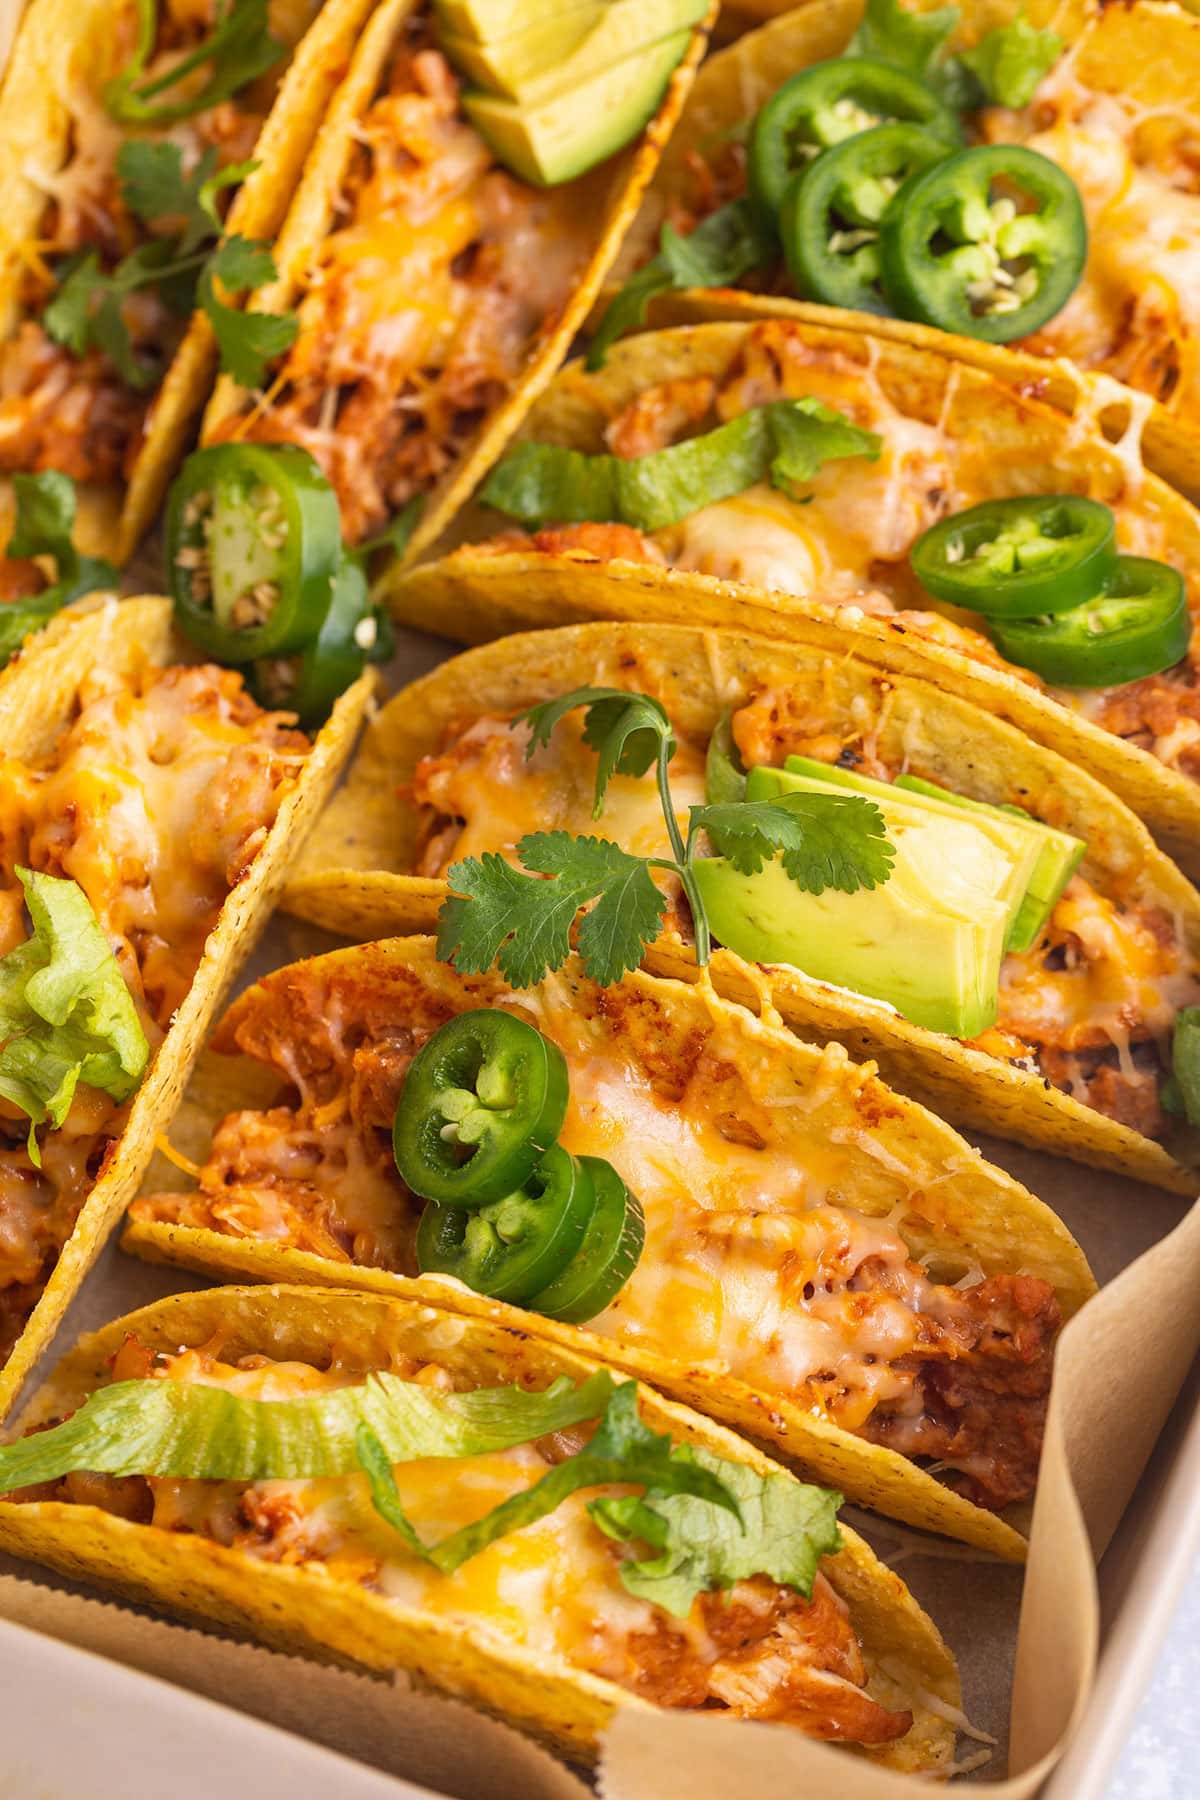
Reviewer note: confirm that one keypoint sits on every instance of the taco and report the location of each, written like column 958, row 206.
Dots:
column 130, row 138
column 1106, row 95
column 772, row 1236
column 149, row 809
column 393, row 1555
column 908, row 446
column 1064, row 1044
column 436, row 292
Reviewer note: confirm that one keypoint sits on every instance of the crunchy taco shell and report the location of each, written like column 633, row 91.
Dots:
column 444, row 468
column 356, row 874
column 64, row 52
column 866, row 1149
column 39, row 695
column 305, row 1610
column 1148, row 53
column 942, row 424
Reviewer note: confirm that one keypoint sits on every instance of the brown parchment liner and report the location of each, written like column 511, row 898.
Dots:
column 38, row 695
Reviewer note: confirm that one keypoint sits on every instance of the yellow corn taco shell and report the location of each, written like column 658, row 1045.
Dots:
column 311, row 1610
column 38, row 696
column 863, row 1146
column 940, row 422
column 51, row 109
column 355, row 875
column 607, row 198
column 1146, row 52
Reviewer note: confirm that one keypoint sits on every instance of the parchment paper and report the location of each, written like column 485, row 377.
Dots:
column 1119, row 1367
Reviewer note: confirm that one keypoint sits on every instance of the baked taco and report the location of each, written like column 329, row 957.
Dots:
column 149, row 810
column 866, row 522
column 768, row 1233
column 436, row 292
column 132, row 138
column 1056, row 1031
column 425, row 1463
column 1079, row 116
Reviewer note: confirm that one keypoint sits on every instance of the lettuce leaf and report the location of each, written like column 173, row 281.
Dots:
column 1009, row 62
column 66, row 1015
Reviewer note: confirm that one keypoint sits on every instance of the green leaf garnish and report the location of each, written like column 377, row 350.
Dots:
column 197, row 1431
column 44, row 526
column 786, row 440
column 910, row 40
column 621, row 1450
column 786, row 1528
column 248, row 341
column 498, row 913
column 66, row 1015
column 724, row 247
column 396, row 533
column 1184, row 1083
column 155, row 187
column 1008, row 63
column 825, row 840
column 239, row 49
column 495, row 913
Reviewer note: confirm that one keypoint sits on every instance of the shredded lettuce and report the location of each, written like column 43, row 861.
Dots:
column 66, row 1015
column 724, row 247
column 201, row 1432
column 1009, row 62
column 44, row 522
column 787, row 441
column 786, row 1527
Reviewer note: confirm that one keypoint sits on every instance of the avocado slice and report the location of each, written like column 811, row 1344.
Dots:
column 483, row 21
column 568, row 49
column 967, row 876
column 1023, row 836
column 561, row 138
column 937, row 965
column 1059, row 856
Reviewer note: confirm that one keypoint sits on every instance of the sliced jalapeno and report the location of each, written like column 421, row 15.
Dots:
column 350, row 636
column 253, row 542
column 1138, row 626
column 1019, row 558
column 608, row 1255
column 826, row 103
column 989, row 243
column 513, row 1247
column 830, row 217
column 483, row 1101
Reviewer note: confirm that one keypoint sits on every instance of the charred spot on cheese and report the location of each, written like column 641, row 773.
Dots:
column 155, row 799
column 755, row 1265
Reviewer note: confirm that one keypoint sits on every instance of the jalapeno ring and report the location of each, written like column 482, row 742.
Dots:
column 826, row 103
column 482, row 1102
column 831, row 213
column 309, row 682
column 514, row 1247
column 1138, row 626
column 609, row 1253
column 1019, row 558
column 956, row 258
column 253, row 542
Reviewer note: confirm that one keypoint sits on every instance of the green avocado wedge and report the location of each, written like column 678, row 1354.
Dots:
column 566, row 50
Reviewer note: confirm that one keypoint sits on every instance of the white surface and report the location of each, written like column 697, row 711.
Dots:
column 75, row 1726
column 1161, row 1759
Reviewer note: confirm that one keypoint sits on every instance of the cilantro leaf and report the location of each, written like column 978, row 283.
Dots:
column 496, row 913
column 825, row 840
column 239, row 49
column 248, row 341
column 628, row 731
column 85, row 312
column 396, row 533
column 154, row 186
column 786, row 1527
column 621, row 1450
column 910, row 40
column 1010, row 61
column 45, row 520
column 66, row 1014
column 724, row 247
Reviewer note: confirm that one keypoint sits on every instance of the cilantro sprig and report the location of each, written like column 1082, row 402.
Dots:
column 1003, row 68
column 44, row 526
column 523, row 918
column 237, row 50
column 182, row 264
